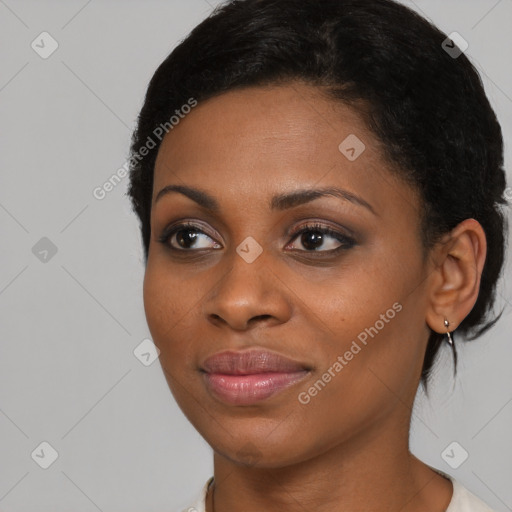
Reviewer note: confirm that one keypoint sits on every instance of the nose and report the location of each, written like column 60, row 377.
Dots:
column 247, row 295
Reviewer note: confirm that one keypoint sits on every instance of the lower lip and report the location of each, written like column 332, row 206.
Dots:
column 249, row 389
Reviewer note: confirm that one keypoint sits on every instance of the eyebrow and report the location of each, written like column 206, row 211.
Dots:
column 278, row 202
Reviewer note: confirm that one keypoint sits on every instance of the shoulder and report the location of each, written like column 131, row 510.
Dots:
column 462, row 499
column 199, row 504
column 465, row 501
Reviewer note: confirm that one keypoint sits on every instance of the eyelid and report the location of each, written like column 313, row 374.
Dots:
column 312, row 226
column 170, row 231
column 322, row 225
column 346, row 240
column 184, row 224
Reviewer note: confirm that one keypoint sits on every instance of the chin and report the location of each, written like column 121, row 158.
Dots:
column 258, row 452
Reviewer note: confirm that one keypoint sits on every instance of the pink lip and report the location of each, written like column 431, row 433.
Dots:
column 244, row 378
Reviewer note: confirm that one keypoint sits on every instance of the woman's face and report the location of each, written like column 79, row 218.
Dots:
column 348, row 307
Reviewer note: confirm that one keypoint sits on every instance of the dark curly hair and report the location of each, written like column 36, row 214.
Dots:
column 427, row 106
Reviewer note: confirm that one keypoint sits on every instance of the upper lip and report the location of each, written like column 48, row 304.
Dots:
column 251, row 362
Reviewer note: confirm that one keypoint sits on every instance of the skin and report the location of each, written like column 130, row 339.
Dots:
column 347, row 449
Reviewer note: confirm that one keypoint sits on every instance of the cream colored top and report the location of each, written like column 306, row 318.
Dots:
column 462, row 499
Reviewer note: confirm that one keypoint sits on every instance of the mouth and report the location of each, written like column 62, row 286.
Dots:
column 245, row 378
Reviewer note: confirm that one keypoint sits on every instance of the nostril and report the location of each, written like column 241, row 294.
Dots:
column 260, row 317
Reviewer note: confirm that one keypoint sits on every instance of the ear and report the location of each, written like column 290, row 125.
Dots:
column 454, row 281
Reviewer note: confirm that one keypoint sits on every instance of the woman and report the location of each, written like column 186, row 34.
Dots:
column 319, row 186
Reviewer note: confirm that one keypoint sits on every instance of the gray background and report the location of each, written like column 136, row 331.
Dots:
column 69, row 325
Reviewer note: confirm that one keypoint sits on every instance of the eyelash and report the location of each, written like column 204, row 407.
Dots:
column 346, row 241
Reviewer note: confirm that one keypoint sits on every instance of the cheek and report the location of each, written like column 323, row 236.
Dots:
column 172, row 304
column 166, row 315
column 165, row 304
column 352, row 298
column 366, row 316
column 156, row 304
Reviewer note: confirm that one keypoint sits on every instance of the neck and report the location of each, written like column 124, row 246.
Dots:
column 375, row 472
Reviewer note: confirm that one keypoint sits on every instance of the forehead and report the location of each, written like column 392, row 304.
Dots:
column 250, row 143
column 284, row 121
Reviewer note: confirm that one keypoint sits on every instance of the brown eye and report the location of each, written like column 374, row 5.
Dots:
column 186, row 237
column 315, row 237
